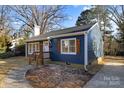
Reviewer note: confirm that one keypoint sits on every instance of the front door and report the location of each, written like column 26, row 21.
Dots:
column 46, row 54
column 45, row 46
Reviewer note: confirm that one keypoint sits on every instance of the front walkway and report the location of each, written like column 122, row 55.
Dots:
column 12, row 72
column 16, row 78
column 110, row 76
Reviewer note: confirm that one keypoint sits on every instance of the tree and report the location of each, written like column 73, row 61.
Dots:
column 102, row 17
column 5, row 28
column 5, row 43
column 86, row 17
column 5, row 24
column 95, row 14
column 117, row 16
column 47, row 17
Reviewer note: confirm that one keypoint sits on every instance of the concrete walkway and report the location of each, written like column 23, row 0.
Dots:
column 16, row 78
column 110, row 76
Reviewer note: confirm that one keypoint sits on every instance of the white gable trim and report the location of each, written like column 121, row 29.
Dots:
column 96, row 24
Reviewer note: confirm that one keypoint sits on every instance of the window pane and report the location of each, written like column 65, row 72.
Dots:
column 65, row 45
column 72, row 46
column 71, row 49
column 65, row 49
column 72, row 43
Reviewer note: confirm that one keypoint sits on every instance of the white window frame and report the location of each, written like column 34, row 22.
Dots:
column 37, row 49
column 30, row 47
column 73, row 53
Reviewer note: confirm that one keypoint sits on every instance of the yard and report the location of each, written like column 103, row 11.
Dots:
column 51, row 74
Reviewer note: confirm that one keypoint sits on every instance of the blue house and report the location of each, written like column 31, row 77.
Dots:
column 80, row 44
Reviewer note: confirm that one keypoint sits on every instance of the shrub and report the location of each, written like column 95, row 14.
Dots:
column 2, row 50
column 20, row 50
column 7, row 55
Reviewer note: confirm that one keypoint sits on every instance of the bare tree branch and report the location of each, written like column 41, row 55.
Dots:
column 39, row 15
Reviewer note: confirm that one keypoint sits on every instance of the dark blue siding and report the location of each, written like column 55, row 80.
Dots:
column 57, row 56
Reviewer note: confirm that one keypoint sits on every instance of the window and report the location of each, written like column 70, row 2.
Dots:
column 30, row 48
column 33, row 47
column 68, row 46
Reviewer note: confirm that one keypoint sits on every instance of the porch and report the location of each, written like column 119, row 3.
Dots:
column 37, row 51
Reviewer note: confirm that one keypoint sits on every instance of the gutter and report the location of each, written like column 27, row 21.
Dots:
column 86, row 51
column 56, row 36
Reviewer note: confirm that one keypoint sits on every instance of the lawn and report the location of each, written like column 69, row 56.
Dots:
column 7, row 64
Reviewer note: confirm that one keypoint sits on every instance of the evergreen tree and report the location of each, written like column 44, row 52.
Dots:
column 86, row 17
column 96, row 14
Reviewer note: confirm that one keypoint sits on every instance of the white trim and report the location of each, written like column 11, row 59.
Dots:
column 68, row 34
column 30, row 48
column 86, row 49
column 62, row 35
column 69, row 53
column 73, row 53
column 93, row 27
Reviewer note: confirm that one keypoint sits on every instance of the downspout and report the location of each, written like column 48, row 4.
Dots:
column 85, row 51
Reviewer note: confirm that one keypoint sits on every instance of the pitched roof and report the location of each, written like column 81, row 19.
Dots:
column 61, row 31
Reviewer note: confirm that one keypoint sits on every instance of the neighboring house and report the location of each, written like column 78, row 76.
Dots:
column 80, row 44
column 15, row 40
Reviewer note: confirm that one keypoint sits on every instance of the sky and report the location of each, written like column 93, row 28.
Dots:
column 73, row 12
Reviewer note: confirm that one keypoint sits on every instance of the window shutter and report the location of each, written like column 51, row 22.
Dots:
column 78, row 45
column 58, row 45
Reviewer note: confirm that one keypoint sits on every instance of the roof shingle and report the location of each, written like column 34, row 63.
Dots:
column 61, row 31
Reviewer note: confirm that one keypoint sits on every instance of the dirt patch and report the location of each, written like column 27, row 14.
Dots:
column 52, row 76
column 8, row 64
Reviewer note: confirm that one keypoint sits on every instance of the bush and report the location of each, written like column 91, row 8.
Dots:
column 7, row 55
column 20, row 50
column 2, row 50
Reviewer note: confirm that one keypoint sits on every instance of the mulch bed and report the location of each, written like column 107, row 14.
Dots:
column 57, row 76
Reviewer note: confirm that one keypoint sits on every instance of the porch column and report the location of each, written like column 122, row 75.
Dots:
column 26, row 49
column 41, row 52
